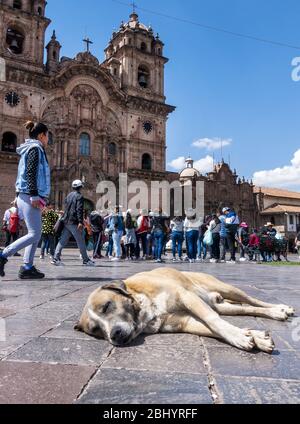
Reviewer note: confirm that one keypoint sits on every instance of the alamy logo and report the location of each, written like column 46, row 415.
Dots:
column 2, row 330
column 296, row 70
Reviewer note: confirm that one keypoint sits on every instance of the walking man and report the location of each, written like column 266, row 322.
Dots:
column 73, row 225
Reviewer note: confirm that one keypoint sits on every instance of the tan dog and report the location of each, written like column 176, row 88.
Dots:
column 168, row 301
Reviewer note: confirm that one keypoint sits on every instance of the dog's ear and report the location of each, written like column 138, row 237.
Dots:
column 117, row 286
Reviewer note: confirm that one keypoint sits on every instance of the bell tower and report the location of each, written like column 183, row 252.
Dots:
column 135, row 56
column 22, row 28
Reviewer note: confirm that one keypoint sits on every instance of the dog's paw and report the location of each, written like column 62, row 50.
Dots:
column 278, row 313
column 263, row 341
column 243, row 340
column 288, row 309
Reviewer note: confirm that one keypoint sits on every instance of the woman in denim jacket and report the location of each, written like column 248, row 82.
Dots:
column 33, row 190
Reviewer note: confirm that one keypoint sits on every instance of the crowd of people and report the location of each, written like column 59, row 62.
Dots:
column 118, row 235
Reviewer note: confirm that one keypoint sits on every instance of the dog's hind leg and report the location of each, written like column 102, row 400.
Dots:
column 195, row 306
column 277, row 313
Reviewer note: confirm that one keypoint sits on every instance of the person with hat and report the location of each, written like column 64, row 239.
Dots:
column 73, row 225
column 243, row 239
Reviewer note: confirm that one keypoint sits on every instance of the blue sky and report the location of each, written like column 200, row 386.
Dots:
column 225, row 87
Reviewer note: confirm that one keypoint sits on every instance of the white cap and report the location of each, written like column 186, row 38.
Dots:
column 77, row 184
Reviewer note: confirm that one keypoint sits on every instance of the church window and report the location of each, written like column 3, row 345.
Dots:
column 112, row 149
column 17, row 4
column 143, row 47
column 85, row 145
column 143, row 77
column 54, row 55
column 148, row 127
column 9, row 142
column 15, row 40
column 146, row 162
column 159, row 52
column 40, row 11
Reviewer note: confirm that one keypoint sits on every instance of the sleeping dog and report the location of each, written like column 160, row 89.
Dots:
column 168, row 301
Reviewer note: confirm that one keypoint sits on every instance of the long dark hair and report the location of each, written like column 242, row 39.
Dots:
column 35, row 129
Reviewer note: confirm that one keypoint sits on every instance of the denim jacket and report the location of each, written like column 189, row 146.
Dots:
column 43, row 176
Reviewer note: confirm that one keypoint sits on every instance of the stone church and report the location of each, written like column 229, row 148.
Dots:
column 104, row 118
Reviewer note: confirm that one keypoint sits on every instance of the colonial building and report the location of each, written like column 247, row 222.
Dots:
column 224, row 188
column 105, row 118
column 281, row 208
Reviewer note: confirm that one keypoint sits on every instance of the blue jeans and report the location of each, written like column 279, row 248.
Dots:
column 177, row 240
column 68, row 231
column 192, row 240
column 110, row 246
column 158, row 243
column 117, row 235
column 201, row 247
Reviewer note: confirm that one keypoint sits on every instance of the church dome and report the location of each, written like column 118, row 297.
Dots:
column 189, row 172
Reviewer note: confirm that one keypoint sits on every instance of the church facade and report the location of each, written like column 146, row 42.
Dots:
column 104, row 118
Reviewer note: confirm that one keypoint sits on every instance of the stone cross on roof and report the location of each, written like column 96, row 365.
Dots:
column 88, row 42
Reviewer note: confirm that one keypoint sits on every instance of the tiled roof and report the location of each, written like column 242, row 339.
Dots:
column 277, row 192
column 281, row 209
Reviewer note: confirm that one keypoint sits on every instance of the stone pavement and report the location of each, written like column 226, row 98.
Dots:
column 43, row 360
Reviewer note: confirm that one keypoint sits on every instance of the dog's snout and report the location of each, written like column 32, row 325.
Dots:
column 119, row 336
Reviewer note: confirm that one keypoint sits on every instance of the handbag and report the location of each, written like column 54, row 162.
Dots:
column 208, row 238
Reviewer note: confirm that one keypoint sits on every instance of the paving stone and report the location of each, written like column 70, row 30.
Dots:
column 63, row 351
column 30, row 383
column 65, row 330
column 291, row 337
column 16, row 326
column 6, row 312
column 237, row 390
column 12, row 344
column 233, row 362
column 158, row 358
column 119, row 386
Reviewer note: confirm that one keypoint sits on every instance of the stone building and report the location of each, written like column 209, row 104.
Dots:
column 281, row 208
column 105, row 118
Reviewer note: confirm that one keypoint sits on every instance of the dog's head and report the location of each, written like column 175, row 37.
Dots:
column 111, row 313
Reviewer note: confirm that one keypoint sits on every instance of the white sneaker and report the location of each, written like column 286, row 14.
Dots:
column 231, row 262
column 243, row 259
column 56, row 262
column 213, row 261
column 115, row 259
column 89, row 263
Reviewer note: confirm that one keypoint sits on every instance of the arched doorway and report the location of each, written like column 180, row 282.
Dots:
column 9, row 142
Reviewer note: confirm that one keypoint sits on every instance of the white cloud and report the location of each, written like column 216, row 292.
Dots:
column 212, row 143
column 203, row 165
column 288, row 175
column 177, row 164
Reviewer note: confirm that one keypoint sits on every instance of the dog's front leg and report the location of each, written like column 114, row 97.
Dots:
column 242, row 339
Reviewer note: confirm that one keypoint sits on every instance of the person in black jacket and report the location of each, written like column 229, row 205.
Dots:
column 73, row 225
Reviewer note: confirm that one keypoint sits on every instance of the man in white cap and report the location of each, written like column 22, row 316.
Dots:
column 73, row 225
